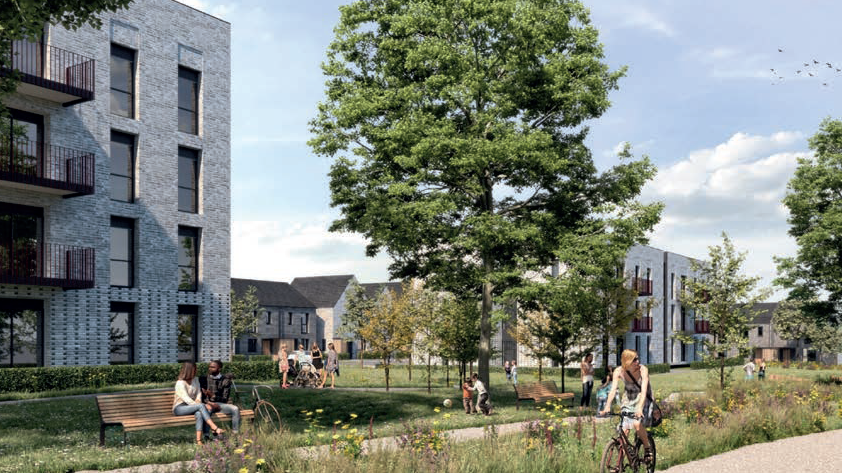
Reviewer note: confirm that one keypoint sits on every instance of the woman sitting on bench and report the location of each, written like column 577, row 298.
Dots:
column 188, row 400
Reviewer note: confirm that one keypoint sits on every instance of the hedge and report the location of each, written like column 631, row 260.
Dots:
column 67, row 377
column 706, row 364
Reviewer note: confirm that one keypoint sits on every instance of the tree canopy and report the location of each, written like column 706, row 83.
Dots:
column 458, row 134
column 814, row 201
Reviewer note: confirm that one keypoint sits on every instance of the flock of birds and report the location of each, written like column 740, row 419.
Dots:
column 811, row 68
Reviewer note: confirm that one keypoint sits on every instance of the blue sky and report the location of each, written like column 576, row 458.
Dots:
column 698, row 99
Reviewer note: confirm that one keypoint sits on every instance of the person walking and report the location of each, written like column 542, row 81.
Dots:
column 761, row 373
column 637, row 398
column 316, row 357
column 587, row 370
column 514, row 372
column 332, row 366
column 749, row 369
column 283, row 365
column 188, row 401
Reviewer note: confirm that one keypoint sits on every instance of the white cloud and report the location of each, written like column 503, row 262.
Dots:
column 277, row 251
column 640, row 17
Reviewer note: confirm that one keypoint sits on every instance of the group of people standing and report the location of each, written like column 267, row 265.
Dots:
column 290, row 363
column 750, row 367
column 510, row 367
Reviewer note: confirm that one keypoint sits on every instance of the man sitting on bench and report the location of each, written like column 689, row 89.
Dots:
column 218, row 393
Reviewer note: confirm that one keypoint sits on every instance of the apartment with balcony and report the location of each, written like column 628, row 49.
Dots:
column 115, row 192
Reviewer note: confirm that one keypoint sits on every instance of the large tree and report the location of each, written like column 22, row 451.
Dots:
column 26, row 19
column 457, row 132
column 727, row 298
column 814, row 200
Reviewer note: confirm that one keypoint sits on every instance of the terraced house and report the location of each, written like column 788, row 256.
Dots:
column 114, row 192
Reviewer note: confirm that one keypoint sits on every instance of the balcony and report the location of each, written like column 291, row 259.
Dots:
column 46, row 168
column 643, row 324
column 702, row 326
column 642, row 286
column 35, row 263
column 52, row 73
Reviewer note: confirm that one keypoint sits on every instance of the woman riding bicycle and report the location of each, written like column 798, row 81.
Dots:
column 637, row 397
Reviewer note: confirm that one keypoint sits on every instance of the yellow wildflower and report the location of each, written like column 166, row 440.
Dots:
column 353, row 416
column 337, row 422
column 335, row 436
column 244, row 470
column 319, row 411
column 260, row 461
column 239, row 450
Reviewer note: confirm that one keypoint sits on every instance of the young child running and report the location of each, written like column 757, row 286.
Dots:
column 468, row 397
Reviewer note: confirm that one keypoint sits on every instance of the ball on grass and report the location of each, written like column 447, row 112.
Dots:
column 448, row 403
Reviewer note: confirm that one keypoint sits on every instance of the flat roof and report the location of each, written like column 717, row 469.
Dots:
column 203, row 12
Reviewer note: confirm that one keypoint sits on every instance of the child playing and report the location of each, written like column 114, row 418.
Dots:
column 483, row 402
column 467, row 397
column 602, row 392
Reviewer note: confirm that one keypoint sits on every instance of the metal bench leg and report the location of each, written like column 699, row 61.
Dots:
column 101, row 434
column 517, row 404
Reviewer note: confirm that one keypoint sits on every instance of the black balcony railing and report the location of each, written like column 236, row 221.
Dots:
column 643, row 324
column 642, row 286
column 35, row 263
column 55, row 69
column 43, row 165
column 702, row 326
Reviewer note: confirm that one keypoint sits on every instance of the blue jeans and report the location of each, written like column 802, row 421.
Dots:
column 232, row 411
column 199, row 410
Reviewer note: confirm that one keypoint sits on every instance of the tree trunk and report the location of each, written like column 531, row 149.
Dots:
column 447, row 372
column 722, row 373
column 471, row 369
column 563, row 364
column 605, row 340
column 409, row 368
column 485, row 329
column 362, row 352
column 540, row 369
column 386, row 365
column 429, row 388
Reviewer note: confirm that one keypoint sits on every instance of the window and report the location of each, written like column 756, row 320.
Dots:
column 621, row 345
column 672, row 317
column 672, row 285
column 268, row 317
column 636, row 271
column 188, row 101
column 760, row 331
column 26, row 131
column 648, row 348
column 188, row 259
column 290, row 319
column 122, row 81
column 188, row 333
column 122, row 166
column 683, row 351
column 683, row 286
column 121, row 333
column 637, row 344
column 683, row 319
column 252, row 345
column 648, row 274
column 122, row 252
column 305, row 323
column 21, row 332
column 188, row 180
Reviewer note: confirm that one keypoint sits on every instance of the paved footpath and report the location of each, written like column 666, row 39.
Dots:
column 814, row 453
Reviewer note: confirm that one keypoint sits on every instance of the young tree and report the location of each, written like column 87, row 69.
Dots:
column 26, row 19
column 426, row 315
column 814, row 200
column 726, row 298
column 245, row 309
column 458, row 135
column 796, row 320
column 388, row 326
column 357, row 307
column 536, row 345
column 458, row 331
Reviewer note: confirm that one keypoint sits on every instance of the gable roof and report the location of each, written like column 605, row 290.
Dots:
column 766, row 310
column 272, row 293
column 373, row 289
column 323, row 291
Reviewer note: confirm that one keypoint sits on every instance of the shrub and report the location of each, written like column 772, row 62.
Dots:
column 239, row 358
column 707, row 364
column 68, row 377
column 344, row 355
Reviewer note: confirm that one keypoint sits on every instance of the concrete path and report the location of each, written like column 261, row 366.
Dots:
column 814, row 453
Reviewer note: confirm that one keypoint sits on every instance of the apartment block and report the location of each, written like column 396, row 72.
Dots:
column 115, row 192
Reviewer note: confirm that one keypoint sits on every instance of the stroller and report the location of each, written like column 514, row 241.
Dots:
column 307, row 376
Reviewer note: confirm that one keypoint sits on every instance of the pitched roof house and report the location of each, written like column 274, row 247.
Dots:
column 327, row 293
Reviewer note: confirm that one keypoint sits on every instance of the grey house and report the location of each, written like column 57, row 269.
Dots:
column 286, row 317
column 328, row 294
column 114, row 192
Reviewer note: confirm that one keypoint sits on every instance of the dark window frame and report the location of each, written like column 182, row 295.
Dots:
column 125, row 139
column 191, row 311
column 127, row 308
column 194, row 156
column 760, row 331
column 194, row 78
column 125, row 54
column 12, row 308
column 305, row 324
column 195, row 234
column 290, row 318
column 252, row 345
column 128, row 224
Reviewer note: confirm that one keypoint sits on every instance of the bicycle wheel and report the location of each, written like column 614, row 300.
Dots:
column 266, row 416
column 638, row 447
column 613, row 458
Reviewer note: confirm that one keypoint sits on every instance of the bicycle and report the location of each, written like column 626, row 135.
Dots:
column 621, row 456
column 265, row 414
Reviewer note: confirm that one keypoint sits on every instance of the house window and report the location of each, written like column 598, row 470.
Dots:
column 21, row 240
column 252, row 345
column 188, row 333
column 672, row 285
column 188, row 259
column 268, row 317
column 683, row 319
column 21, row 332
column 26, row 131
column 637, row 344
column 289, row 321
column 636, row 271
column 188, row 180
column 122, row 252
column 760, row 331
column 188, row 101
column 672, row 317
column 683, row 286
column 305, row 322
column 648, row 349
column 121, row 333
column 122, row 81
column 683, row 351
column 648, row 274
column 122, row 166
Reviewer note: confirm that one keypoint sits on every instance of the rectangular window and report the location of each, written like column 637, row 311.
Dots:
column 188, row 259
column 122, row 252
column 683, row 318
column 683, row 286
column 760, row 331
column 122, row 81
column 636, row 271
column 648, row 349
column 683, row 351
column 121, row 333
column 188, row 333
column 188, row 101
column 637, row 344
column 672, row 285
column 21, row 332
column 672, row 317
column 188, row 180
column 305, row 323
column 648, row 274
column 289, row 322
column 268, row 317
column 252, row 345
column 122, row 166
column 621, row 345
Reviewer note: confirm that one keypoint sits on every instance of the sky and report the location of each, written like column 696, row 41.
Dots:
column 700, row 99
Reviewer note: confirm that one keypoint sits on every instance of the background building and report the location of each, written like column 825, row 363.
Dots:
column 328, row 294
column 115, row 192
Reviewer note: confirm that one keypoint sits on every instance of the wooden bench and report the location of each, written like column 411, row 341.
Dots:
column 146, row 410
column 540, row 392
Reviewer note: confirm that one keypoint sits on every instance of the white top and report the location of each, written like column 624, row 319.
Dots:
column 478, row 386
column 187, row 393
column 587, row 370
column 749, row 367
